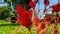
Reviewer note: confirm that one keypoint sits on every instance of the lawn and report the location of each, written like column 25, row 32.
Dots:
column 7, row 27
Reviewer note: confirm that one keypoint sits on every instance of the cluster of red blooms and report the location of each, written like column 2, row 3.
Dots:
column 36, row 20
column 56, row 8
column 25, row 15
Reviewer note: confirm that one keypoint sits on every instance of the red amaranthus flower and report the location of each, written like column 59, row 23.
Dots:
column 48, row 18
column 25, row 16
column 19, row 9
column 56, row 8
column 32, row 4
column 36, row 20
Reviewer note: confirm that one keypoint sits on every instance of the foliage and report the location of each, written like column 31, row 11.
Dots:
column 51, row 15
column 5, row 12
column 2, row 9
column 10, row 4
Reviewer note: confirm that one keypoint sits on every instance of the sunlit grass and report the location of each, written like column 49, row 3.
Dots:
column 4, row 22
column 16, row 29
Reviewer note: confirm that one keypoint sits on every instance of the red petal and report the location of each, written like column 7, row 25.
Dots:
column 19, row 9
column 32, row 4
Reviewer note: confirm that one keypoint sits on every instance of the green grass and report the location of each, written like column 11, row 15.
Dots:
column 9, row 28
column 6, row 29
column 4, row 22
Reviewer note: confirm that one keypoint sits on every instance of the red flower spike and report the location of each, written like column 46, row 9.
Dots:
column 25, row 16
column 32, row 4
column 36, row 20
column 56, row 8
column 19, row 9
